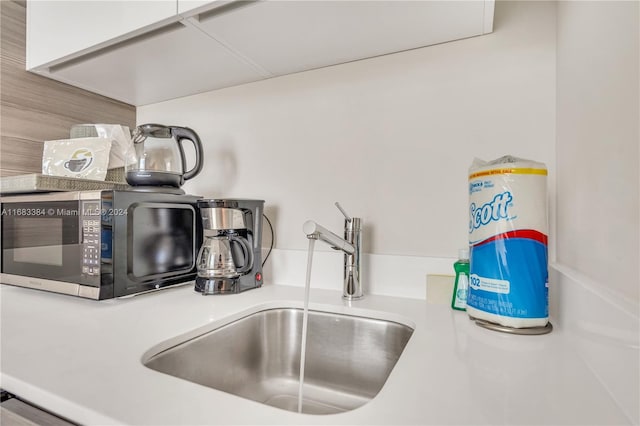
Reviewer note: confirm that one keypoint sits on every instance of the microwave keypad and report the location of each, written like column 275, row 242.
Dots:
column 90, row 241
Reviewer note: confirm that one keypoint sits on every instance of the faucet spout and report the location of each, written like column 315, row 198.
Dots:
column 316, row 231
column 351, row 246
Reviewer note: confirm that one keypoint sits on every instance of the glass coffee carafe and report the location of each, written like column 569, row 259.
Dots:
column 225, row 255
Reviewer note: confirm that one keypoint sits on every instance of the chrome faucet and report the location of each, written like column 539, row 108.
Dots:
column 350, row 245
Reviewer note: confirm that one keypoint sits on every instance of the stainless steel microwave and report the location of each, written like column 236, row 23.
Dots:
column 99, row 244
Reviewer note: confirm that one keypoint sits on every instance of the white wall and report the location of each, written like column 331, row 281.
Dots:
column 595, row 292
column 598, row 219
column 391, row 138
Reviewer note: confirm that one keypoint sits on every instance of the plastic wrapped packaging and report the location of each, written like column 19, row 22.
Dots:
column 85, row 158
column 508, row 242
column 119, row 137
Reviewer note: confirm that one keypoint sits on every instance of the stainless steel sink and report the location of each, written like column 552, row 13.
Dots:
column 348, row 359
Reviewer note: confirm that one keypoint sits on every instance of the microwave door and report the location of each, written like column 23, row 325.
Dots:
column 41, row 242
column 160, row 241
column 38, row 241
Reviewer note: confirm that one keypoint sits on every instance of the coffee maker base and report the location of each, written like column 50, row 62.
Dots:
column 207, row 286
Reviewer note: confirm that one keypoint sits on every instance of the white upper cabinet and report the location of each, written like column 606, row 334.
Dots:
column 172, row 62
column 290, row 36
column 57, row 30
column 143, row 52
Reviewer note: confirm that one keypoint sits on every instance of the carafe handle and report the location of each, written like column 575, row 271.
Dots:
column 246, row 251
column 182, row 133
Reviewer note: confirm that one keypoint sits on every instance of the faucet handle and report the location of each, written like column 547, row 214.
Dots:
column 346, row 216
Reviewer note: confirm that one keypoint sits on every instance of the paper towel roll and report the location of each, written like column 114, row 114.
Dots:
column 508, row 242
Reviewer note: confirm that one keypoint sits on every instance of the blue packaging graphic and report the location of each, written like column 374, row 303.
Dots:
column 508, row 242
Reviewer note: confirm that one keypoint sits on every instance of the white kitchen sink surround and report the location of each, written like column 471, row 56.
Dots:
column 82, row 359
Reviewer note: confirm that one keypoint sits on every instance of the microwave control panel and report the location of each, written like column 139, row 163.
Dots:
column 91, row 229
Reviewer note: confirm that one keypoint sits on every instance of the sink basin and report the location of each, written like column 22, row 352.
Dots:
column 348, row 359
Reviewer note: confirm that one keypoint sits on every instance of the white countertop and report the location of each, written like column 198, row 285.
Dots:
column 82, row 359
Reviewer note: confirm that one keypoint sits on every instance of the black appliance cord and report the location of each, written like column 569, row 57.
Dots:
column 272, row 238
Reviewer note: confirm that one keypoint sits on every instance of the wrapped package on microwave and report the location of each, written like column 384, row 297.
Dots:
column 120, row 137
column 508, row 242
column 84, row 158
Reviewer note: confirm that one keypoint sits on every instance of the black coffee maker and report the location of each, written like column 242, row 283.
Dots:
column 230, row 259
